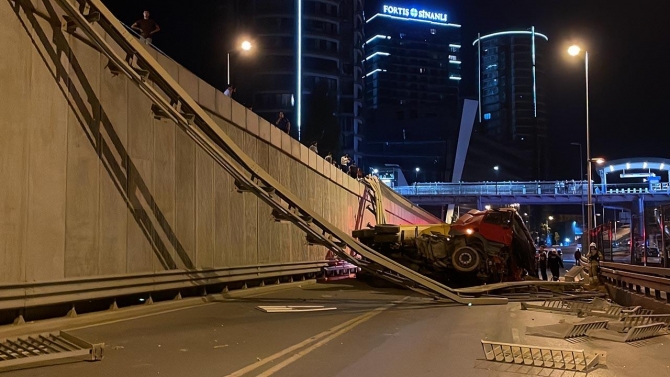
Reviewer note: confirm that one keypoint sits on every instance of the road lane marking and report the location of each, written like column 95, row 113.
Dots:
column 138, row 316
column 329, row 335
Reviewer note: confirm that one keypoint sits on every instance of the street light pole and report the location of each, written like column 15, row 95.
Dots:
column 581, row 184
column 574, row 51
column 589, row 198
column 228, row 65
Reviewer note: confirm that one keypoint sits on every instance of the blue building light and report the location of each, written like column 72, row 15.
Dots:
column 377, row 53
column 375, row 71
column 378, row 36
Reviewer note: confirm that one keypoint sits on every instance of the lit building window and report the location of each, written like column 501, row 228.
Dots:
column 433, row 31
column 453, row 57
column 487, row 116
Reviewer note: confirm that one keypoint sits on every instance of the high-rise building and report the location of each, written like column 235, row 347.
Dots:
column 412, row 73
column 512, row 108
column 317, row 83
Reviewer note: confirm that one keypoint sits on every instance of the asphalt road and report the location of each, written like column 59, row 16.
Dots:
column 372, row 332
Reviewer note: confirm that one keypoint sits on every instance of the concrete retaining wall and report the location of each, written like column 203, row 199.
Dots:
column 92, row 185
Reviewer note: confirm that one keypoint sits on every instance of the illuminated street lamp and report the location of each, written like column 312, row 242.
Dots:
column 245, row 46
column 496, row 168
column 575, row 50
column 416, row 174
column 550, row 218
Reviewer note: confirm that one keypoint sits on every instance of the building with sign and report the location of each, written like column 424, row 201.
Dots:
column 513, row 110
column 412, row 70
column 317, row 79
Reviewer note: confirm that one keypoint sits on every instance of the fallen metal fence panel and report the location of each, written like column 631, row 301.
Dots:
column 544, row 357
column 16, row 353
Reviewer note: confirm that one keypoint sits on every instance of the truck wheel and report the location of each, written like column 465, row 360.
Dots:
column 387, row 229
column 465, row 259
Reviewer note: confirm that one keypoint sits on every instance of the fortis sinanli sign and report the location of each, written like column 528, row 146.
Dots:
column 413, row 13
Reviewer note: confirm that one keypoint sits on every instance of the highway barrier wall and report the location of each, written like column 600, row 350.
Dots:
column 94, row 187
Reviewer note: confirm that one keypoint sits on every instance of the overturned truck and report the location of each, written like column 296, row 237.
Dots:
column 489, row 246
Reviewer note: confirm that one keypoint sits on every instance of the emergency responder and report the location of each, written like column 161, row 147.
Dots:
column 555, row 262
column 594, row 259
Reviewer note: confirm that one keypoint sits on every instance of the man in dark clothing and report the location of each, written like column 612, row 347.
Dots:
column 543, row 262
column 283, row 124
column 578, row 258
column 554, row 261
column 146, row 27
column 329, row 158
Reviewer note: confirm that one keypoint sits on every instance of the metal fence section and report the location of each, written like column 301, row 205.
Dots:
column 20, row 352
column 544, row 357
column 639, row 320
column 633, row 334
column 580, row 329
column 596, row 307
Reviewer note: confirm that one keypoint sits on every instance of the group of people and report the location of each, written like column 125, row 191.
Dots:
column 549, row 259
column 347, row 165
column 552, row 260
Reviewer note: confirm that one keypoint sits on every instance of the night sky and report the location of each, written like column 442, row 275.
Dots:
column 626, row 45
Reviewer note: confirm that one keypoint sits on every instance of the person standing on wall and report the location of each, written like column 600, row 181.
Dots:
column 344, row 162
column 146, row 27
column 283, row 124
column 230, row 91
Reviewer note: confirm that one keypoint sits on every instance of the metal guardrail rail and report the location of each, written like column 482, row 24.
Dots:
column 639, row 279
column 543, row 357
column 176, row 104
column 25, row 295
column 36, row 349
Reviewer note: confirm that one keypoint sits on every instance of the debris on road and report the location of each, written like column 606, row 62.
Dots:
column 293, row 309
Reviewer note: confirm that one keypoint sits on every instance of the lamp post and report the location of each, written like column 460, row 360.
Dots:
column 416, row 174
column 581, row 180
column 246, row 46
column 574, row 50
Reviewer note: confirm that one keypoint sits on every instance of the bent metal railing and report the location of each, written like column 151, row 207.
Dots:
column 176, row 104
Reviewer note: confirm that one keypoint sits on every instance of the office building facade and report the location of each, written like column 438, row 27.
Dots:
column 512, row 110
column 412, row 75
column 311, row 70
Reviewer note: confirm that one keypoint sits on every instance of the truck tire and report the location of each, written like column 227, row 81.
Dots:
column 387, row 229
column 466, row 259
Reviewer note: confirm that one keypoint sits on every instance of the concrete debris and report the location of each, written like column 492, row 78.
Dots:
column 118, row 347
column 221, row 346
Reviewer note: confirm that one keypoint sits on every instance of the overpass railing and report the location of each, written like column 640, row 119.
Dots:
column 526, row 188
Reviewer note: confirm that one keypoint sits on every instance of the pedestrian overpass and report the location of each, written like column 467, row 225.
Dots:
column 538, row 193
